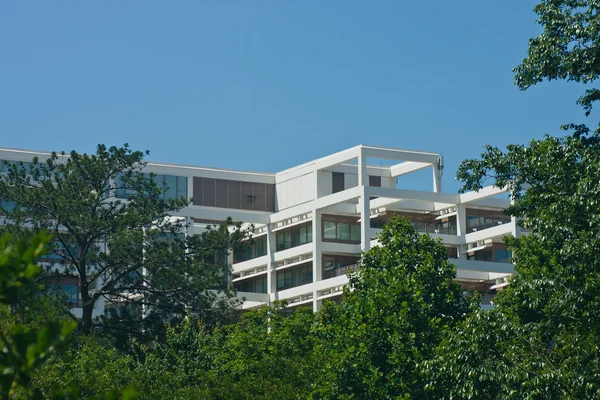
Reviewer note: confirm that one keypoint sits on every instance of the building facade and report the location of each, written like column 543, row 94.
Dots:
column 313, row 221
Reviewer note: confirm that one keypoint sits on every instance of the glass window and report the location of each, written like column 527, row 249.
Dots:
column 337, row 182
column 120, row 191
column 253, row 285
column 182, row 186
column 70, row 290
column 343, row 231
column 170, row 187
column 280, row 241
column 7, row 205
column 280, row 281
column 293, row 237
column 330, row 230
column 374, row 181
column 288, row 239
column 296, row 236
column 502, row 255
column 296, row 276
column 305, row 274
column 304, row 235
column 355, row 232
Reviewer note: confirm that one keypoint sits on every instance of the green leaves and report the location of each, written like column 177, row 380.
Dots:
column 17, row 265
column 541, row 341
column 567, row 49
column 91, row 203
column 394, row 312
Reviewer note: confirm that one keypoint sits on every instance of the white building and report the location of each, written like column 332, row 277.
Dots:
column 312, row 221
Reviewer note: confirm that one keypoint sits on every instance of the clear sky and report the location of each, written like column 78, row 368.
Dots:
column 266, row 85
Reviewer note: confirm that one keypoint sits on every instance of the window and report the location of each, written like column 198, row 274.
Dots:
column 502, row 255
column 374, row 181
column 250, row 250
column 483, row 219
column 482, row 255
column 295, row 236
column 70, row 289
column 343, row 231
column 7, row 205
column 337, row 182
column 172, row 186
column 252, row 285
column 295, row 276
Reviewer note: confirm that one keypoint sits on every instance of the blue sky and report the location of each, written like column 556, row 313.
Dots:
column 266, row 85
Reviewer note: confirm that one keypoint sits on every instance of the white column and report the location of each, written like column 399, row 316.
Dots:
column 365, row 219
column 316, row 183
column 271, row 248
column 363, row 178
column 515, row 228
column 316, row 250
column 437, row 178
column 461, row 229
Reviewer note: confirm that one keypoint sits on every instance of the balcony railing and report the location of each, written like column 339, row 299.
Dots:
column 487, row 225
column 423, row 227
column 341, row 271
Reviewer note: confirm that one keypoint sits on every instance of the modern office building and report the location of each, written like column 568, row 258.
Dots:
column 313, row 221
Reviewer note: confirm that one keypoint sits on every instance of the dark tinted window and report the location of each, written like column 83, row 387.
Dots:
column 374, row 181
column 337, row 182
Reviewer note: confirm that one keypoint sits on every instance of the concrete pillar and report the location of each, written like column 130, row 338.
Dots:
column 437, row 178
column 316, row 250
column 271, row 248
column 461, row 229
column 363, row 178
column 365, row 220
column 515, row 228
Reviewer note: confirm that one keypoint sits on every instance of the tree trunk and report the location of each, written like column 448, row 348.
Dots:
column 85, row 324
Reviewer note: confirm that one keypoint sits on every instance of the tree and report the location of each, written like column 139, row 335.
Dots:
column 567, row 49
column 22, row 349
column 542, row 339
column 148, row 270
column 266, row 355
column 391, row 319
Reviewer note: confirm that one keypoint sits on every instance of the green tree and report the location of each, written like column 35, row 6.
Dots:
column 391, row 319
column 23, row 349
column 147, row 269
column 567, row 49
column 542, row 340
column 266, row 355
column 95, row 368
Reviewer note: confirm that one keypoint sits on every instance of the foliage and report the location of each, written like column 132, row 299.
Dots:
column 26, row 350
column 95, row 368
column 265, row 355
column 567, row 49
column 394, row 312
column 150, row 268
column 23, row 350
column 542, row 340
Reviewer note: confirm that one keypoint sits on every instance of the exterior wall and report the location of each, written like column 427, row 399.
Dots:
column 294, row 191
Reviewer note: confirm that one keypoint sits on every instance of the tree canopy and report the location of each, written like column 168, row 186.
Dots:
column 111, row 228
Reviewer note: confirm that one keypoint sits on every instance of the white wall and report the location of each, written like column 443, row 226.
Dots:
column 294, row 191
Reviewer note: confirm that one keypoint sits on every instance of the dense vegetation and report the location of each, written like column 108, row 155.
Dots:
column 403, row 330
